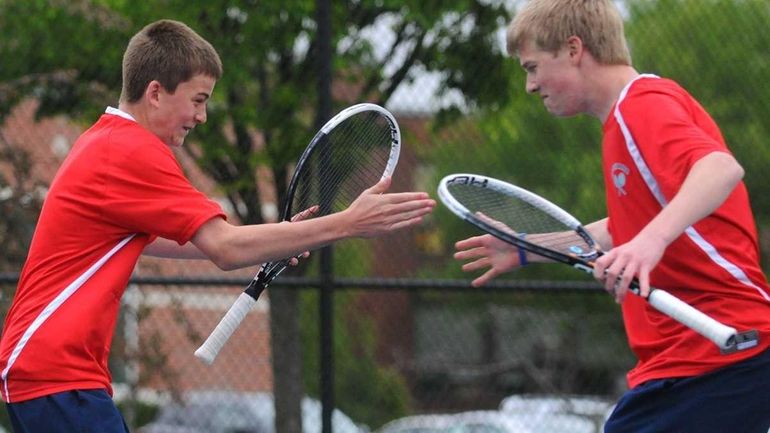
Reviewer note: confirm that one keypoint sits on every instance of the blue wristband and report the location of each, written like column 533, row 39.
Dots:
column 522, row 252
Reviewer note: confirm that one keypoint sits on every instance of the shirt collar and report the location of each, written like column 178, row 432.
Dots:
column 118, row 112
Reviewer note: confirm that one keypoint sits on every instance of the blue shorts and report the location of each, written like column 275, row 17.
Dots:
column 89, row 411
column 734, row 399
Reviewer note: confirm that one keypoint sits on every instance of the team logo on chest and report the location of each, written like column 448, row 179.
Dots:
column 619, row 175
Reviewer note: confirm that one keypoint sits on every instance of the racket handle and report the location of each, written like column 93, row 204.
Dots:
column 229, row 323
column 722, row 335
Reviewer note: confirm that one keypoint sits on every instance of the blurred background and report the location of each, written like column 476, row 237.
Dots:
column 390, row 337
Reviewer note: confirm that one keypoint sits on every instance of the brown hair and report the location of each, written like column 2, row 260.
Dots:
column 549, row 23
column 169, row 52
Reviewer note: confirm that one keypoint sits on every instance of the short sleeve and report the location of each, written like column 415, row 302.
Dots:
column 671, row 132
column 148, row 192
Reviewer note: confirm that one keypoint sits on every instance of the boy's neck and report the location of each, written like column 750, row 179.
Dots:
column 607, row 82
column 136, row 111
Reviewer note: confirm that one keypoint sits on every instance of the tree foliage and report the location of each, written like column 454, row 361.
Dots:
column 263, row 109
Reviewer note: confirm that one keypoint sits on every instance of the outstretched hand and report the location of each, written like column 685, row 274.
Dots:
column 374, row 212
column 486, row 251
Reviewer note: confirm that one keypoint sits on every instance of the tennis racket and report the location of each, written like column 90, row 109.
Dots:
column 534, row 224
column 350, row 153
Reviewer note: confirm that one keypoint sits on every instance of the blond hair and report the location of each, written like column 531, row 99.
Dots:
column 167, row 51
column 549, row 23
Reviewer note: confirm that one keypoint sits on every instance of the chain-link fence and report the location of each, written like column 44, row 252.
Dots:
column 411, row 346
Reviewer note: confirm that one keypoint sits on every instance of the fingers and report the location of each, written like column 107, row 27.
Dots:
column 405, row 197
column 407, row 204
column 407, row 223
column 477, row 264
column 402, row 224
column 609, row 270
column 414, row 208
column 487, row 253
column 380, row 186
column 294, row 261
column 484, row 279
column 620, row 278
column 600, row 266
column 469, row 243
column 471, row 252
column 411, row 213
column 474, row 250
column 644, row 283
column 306, row 214
column 408, row 213
column 619, row 274
column 396, row 197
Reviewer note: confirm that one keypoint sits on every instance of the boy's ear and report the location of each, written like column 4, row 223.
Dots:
column 152, row 92
column 575, row 47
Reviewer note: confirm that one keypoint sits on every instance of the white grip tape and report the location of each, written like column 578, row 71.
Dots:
column 722, row 335
column 229, row 323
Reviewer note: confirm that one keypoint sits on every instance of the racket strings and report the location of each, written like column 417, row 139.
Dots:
column 349, row 159
column 519, row 217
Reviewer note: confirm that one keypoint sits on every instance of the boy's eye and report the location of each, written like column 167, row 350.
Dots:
column 529, row 68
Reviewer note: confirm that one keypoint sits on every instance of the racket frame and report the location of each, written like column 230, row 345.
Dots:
column 728, row 339
column 211, row 347
column 575, row 260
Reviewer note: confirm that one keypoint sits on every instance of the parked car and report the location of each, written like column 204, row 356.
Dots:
column 482, row 421
column 237, row 412
column 435, row 423
column 556, row 423
column 592, row 409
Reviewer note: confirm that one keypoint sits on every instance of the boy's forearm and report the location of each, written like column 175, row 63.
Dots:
column 601, row 234
column 233, row 247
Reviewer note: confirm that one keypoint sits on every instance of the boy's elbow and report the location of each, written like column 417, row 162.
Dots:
column 223, row 264
column 223, row 259
column 727, row 166
column 739, row 171
column 734, row 170
column 216, row 240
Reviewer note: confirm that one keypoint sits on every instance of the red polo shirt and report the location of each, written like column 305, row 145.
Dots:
column 118, row 180
column 656, row 133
